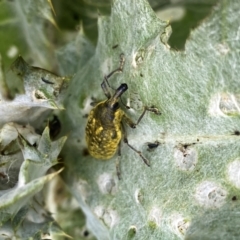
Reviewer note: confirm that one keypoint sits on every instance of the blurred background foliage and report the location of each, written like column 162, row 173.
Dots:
column 184, row 15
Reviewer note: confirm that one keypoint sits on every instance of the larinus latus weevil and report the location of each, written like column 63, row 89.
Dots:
column 105, row 126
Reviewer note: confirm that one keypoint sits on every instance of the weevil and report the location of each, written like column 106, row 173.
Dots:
column 105, row 125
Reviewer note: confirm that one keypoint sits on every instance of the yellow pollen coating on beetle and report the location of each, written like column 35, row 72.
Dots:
column 103, row 130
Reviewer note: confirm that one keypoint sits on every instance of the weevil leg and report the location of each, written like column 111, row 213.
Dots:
column 118, row 162
column 150, row 109
column 105, row 84
column 128, row 121
column 105, row 88
column 126, row 106
column 125, row 140
column 132, row 124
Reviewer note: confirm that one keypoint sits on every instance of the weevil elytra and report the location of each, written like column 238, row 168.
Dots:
column 105, row 126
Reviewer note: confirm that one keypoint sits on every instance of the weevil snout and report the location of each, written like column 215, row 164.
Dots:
column 120, row 90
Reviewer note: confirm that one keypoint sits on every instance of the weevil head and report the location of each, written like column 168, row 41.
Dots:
column 113, row 101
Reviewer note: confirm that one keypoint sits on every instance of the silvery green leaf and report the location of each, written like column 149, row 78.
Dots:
column 195, row 167
column 13, row 200
column 43, row 90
